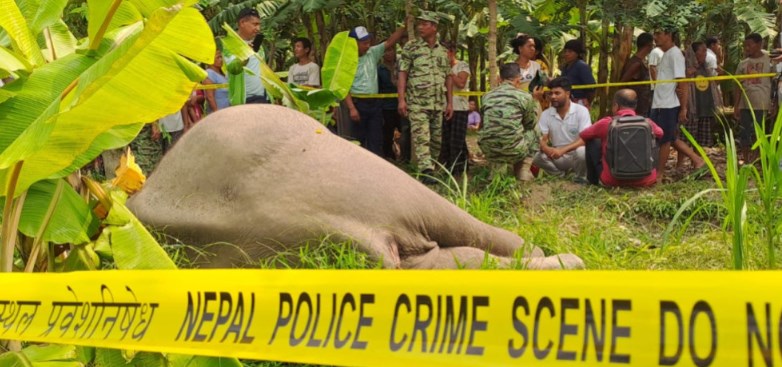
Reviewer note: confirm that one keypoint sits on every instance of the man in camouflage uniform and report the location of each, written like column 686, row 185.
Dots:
column 425, row 88
column 508, row 135
column 147, row 148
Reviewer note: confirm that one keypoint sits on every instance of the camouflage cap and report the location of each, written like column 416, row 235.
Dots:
column 429, row 16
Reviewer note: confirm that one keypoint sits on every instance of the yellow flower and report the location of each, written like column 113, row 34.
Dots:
column 129, row 176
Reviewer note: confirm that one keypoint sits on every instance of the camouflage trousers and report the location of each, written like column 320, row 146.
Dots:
column 510, row 149
column 426, row 129
column 147, row 151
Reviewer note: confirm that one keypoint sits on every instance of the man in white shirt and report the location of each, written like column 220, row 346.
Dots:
column 560, row 125
column 669, row 107
column 304, row 72
column 654, row 59
column 714, row 55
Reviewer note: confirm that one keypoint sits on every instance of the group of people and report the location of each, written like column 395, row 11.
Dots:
column 529, row 121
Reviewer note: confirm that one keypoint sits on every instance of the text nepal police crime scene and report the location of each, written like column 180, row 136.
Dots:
column 361, row 318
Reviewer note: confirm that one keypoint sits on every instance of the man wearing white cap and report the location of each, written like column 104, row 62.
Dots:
column 367, row 113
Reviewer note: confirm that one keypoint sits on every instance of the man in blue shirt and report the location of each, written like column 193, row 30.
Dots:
column 367, row 113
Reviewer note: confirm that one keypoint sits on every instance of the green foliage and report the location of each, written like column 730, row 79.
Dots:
column 339, row 67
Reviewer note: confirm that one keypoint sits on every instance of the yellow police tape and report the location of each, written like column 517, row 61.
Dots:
column 409, row 318
column 584, row 86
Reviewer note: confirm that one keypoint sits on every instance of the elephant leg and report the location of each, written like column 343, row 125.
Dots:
column 473, row 258
column 453, row 258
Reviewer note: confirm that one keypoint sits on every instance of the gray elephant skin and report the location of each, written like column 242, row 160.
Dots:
column 268, row 179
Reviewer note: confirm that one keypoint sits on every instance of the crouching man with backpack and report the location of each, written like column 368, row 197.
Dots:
column 622, row 150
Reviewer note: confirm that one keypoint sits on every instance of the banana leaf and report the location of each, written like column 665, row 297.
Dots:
column 15, row 26
column 132, row 246
column 46, row 13
column 52, row 355
column 11, row 61
column 58, row 40
column 97, row 20
column 147, row 75
column 71, row 221
column 339, row 66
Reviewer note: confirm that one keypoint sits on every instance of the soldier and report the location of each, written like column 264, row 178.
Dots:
column 147, row 148
column 425, row 88
column 508, row 135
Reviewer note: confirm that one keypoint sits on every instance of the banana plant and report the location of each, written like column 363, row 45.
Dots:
column 338, row 72
column 67, row 102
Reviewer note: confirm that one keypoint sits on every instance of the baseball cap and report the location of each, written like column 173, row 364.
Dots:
column 360, row 33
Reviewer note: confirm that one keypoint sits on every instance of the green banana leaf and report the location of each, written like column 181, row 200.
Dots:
column 17, row 29
column 144, row 77
column 320, row 98
column 147, row 7
column 176, row 360
column 6, row 95
column 10, row 61
column 44, row 14
column 117, row 137
column 275, row 87
column 35, row 99
column 52, row 355
column 339, row 66
column 132, row 246
column 234, row 45
column 71, row 222
column 58, row 41
column 97, row 12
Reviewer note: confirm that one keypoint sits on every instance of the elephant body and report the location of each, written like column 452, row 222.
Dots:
column 267, row 179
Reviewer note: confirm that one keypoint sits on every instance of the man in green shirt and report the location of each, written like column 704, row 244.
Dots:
column 425, row 92
column 367, row 113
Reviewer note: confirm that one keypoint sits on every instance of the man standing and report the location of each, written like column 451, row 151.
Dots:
column 246, row 86
column 635, row 70
column 669, row 106
column 425, row 88
column 304, row 72
column 367, row 113
column 596, row 138
column 508, row 135
column 560, row 125
column 454, row 147
column 714, row 57
column 754, row 107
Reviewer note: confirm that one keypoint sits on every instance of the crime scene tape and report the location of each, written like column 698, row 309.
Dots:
column 583, row 86
column 409, row 318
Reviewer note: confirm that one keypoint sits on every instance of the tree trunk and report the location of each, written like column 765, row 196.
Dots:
column 472, row 60
column 482, row 65
column 369, row 7
column 314, row 36
column 325, row 36
column 620, row 52
column 582, row 26
column 493, row 43
column 602, row 73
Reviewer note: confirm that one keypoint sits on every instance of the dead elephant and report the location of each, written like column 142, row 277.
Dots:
column 268, row 179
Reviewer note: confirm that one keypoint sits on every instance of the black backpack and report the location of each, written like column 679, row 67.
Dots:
column 631, row 150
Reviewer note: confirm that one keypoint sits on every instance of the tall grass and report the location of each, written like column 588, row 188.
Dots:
column 735, row 188
column 768, row 181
